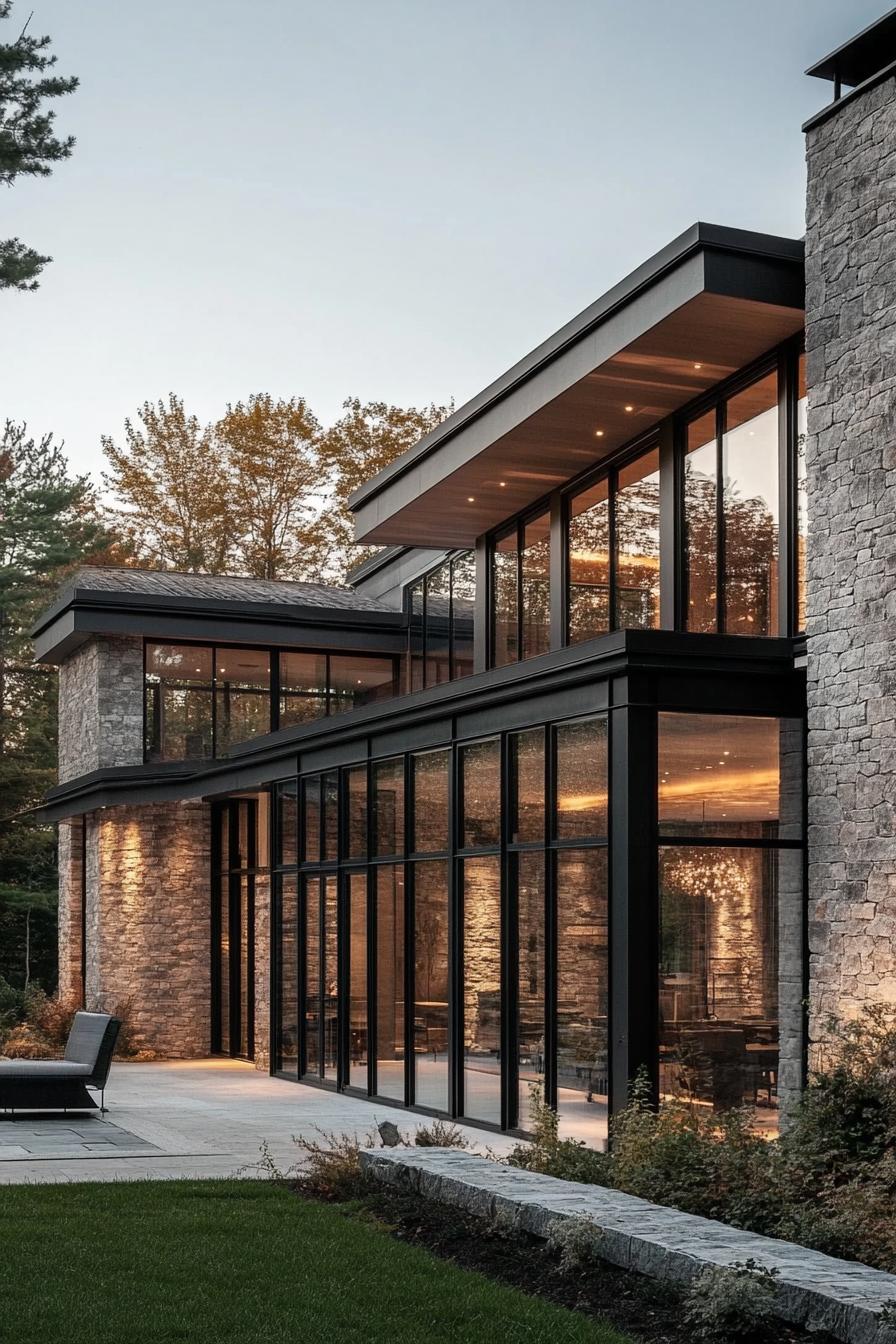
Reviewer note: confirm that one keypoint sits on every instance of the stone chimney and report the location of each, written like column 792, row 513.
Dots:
column 851, row 570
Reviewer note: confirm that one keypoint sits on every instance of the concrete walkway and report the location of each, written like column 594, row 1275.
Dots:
column 176, row 1121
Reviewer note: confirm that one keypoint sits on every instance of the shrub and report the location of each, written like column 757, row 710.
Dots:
column 568, row 1159
column 736, row 1302
column 330, row 1167
column 576, row 1241
column 440, row 1134
column 43, row 1030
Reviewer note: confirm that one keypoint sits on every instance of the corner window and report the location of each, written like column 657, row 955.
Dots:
column 179, row 707
column 440, row 608
column 521, row 591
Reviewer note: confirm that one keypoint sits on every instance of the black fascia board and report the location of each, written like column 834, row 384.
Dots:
column 785, row 254
column 255, row 763
column 831, row 110
column 382, row 559
column 82, row 612
column 862, row 56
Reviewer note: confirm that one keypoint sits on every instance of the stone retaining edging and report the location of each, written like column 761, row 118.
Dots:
column 815, row 1291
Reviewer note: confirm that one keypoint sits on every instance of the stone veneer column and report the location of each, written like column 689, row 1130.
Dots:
column 851, row 466
column 71, row 867
column 148, row 923
column 101, row 706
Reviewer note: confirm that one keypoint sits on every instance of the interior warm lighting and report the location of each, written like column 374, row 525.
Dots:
column 714, row 880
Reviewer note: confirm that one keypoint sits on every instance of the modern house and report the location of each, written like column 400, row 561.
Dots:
column 592, row 769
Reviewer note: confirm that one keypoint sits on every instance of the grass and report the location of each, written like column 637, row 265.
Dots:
column 240, row 1260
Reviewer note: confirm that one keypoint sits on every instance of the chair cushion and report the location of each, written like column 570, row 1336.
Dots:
column 44, row 1069
column 86, row 1037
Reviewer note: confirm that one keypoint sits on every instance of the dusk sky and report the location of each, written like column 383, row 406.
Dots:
column 394, row 199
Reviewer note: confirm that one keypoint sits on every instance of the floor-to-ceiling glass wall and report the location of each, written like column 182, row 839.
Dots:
column 443, row 916
column 730, row 872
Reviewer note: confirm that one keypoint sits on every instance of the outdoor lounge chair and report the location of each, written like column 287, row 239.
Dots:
column 61, row 1084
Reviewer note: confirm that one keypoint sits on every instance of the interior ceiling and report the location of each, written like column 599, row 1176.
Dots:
column 697, row 346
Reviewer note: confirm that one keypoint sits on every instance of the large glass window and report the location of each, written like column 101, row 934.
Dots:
column 438, row 626
column 505, row 600
column 701, row 524
column 431, row 984
column 390, row 994
column 582, row 790
column 482, row 988
column 430, row 769
column 288, row 975
column 440, row 609
column 588, row 540
column 201, row 701
column 527, row 786
column 357, row 680
column 358, row 1046
column 179, row 705
column 718, row 974
column 388, row 806
column 750, row 473
column 535, row 583
column 481, row 784
column 582, row 992
column 730, row 775
column 637, row 524
column 303, row 688
column 531, row 986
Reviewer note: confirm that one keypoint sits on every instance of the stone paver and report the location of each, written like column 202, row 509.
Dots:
column 199, row 1119
column 814, row 1290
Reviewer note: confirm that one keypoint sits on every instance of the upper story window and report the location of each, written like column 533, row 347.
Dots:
column 201, row 700
column 440, row 608
column 613, row 551
column 731, row 511
column 687, row 532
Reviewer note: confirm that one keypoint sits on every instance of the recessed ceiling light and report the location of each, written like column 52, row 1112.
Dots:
column 598, row 433
column 502, row 484
column 629, row 408
column 471, row 499
column 698, row 366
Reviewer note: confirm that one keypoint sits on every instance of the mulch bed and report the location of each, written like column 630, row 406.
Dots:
column 641, row 1307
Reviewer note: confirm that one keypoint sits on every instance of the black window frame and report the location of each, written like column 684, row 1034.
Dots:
column 420, row 584
column 274, row 652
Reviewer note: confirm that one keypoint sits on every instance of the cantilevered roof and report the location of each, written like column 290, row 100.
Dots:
column 162, row 604
column 709, row 303
column 862, row 56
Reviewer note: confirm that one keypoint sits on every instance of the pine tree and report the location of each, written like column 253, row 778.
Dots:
column 48, row 523
column 28, row 147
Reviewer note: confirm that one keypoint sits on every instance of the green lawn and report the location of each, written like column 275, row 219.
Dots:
column 243, row 1261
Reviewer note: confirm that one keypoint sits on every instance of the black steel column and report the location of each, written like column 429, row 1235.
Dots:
column 633, row 907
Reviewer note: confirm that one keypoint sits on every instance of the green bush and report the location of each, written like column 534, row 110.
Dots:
column 734, row 1302
column 829, row 1183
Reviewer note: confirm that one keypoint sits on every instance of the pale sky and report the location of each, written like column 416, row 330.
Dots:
column 394, row 199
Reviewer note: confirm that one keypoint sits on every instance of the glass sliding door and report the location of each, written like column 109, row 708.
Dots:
column 358, row 1022
column 235, row 829
column 582, row 991
column 287, row 1049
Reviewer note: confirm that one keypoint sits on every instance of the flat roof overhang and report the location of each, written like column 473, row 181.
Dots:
column 83, row 612
column 713, row 301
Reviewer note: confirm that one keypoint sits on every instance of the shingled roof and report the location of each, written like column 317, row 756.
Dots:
column 224, row 588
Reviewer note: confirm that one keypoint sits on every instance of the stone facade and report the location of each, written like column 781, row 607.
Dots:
column 147, row 921
column 101, row 692
column 851, row 468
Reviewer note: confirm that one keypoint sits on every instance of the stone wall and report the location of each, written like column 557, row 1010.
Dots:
column 851, row 466
column 101, row 706
column 148, row 923
column 70, row 858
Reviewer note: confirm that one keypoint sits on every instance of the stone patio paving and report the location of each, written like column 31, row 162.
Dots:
column 182, row 1120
